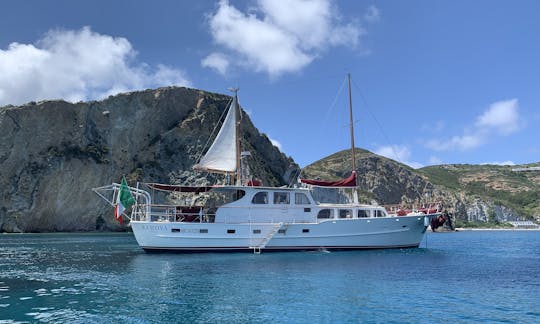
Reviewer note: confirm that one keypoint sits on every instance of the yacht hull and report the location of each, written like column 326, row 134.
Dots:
column 358, row 233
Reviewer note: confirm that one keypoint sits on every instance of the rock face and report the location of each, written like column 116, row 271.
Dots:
column 379, row 178
column 53, row 152
column 488, row 193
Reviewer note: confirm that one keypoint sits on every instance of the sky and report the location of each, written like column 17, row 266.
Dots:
column 433, row 82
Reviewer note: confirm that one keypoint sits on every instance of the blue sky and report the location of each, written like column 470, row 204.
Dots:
column 434, row 82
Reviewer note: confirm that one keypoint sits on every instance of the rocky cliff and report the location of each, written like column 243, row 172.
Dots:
column 380, row 179
column 53, row 152
column 488, row 193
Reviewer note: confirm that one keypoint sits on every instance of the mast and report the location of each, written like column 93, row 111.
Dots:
column 351, row 181
column 351, row 125
column 353, row 171
column 237, row 131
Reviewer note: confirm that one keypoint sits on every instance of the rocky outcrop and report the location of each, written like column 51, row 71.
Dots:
column 53, row 152
column 476, row 209
column 487, row 193
column 380, row 179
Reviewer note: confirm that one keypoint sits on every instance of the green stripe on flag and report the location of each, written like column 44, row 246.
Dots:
column 124, row 195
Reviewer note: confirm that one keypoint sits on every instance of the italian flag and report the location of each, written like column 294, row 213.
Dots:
column 123, row 201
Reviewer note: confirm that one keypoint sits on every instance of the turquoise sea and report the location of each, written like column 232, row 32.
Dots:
column 469, row 276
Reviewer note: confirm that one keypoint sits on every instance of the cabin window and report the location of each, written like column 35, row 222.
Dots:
column 203, row 230
column 282, row 231
column 301, row 199
column 239, row 194
column 231, row 231
column 260, row 198
column 256, row 231
column 175, row 230
column 362, row 213
column 345, row 213
column 281, row 197
column 379, row 213
column 305, row 230
column 326, row 213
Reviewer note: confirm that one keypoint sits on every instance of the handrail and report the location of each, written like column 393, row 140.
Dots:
column 414, row 207
column 171, row 213
column 115, row 188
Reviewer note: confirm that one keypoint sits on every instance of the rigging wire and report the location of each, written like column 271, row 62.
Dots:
column 386, row 137
column 338, row 93
column 298, row 173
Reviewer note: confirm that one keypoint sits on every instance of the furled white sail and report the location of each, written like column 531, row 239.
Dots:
column 221, row 156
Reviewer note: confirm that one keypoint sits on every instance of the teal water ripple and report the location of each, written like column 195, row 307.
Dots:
column 106, row 278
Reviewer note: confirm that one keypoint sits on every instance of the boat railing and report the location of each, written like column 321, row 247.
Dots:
column 403, row 209
column 192, row 214
column 171, row 213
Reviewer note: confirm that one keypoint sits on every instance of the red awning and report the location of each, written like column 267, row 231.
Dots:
column 175, row 188
column 348, row 182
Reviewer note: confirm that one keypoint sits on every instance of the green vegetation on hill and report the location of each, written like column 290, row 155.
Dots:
column 464, row 224
column 519, row 191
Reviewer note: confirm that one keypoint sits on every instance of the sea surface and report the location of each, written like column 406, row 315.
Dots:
column 469, row 276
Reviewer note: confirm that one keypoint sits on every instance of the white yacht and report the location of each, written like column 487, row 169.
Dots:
column 247, row 216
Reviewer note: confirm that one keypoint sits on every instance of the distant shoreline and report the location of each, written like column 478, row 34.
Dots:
column 459, row 229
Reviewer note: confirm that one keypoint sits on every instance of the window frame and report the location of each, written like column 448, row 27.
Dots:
column 264, row 200
column 280, row 194
column 301, row 194
column 330, row 213
column 366, row 212
column 350, row 214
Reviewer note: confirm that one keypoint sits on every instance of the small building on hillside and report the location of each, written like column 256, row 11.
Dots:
column 524, row 224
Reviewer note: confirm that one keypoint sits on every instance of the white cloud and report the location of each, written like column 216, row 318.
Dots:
column 306, row 20
column 500, row 163
column 276, row 143
column 216, row 61
column 278, row 37
column 500, row 118
column 373, row 14
column 462, row 142
column 398, row 153
column 76, row 65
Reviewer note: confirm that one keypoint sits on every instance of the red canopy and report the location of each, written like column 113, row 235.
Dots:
column 348, row 182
